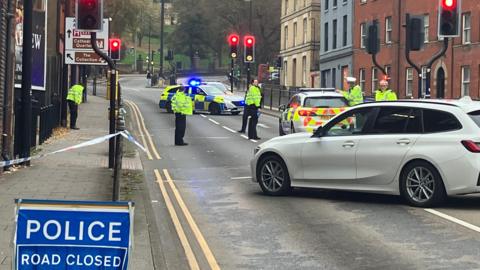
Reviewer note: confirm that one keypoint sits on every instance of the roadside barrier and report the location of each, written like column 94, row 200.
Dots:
column 95, row 141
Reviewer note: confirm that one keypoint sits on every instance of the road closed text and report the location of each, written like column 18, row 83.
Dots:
column 78, row 260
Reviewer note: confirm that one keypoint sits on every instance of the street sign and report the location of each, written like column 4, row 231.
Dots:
column 78, row 48
column 72, row 235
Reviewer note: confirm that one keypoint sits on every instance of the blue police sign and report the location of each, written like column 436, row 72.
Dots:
column 73, row 235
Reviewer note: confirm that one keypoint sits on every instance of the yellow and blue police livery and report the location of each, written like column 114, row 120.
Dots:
column 206, row 97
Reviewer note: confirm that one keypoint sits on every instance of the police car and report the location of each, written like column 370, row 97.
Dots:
column 206, row 97
column 309, row 109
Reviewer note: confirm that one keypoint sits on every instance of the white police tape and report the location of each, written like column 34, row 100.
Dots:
column 125, row 134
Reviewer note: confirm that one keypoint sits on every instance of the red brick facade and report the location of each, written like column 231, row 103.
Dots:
column 457, row 56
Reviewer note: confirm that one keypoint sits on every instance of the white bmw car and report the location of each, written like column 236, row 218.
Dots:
column 423, row 150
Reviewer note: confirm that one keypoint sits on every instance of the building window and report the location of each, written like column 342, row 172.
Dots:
column 363, row 34
column 426, row 26
column 326, row 5
column 285, row 73
column 466, row 23
column 294, row 73
column 286, row 38
column 388, row 30
column 409, row 82
column 334, row 33
column 325, row 38
column 305, row 30
column 424, row 80
column 324, row 78
column 334, row 78
column 304, row 3
column 465, row 81
column 345, row 2
column 294, row 34
column 345, row 22
column 304, row 71
column 286, row 7
column 294, row 5
column 334, row 5
column 374, row 79
column 362, row 77
column 363, row 1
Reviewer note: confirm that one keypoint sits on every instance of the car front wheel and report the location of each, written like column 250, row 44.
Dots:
column 273, row 177
column 421, row 185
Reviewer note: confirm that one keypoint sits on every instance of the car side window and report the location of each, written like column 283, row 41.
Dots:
column 173, row 90
column 439, row 121
column 350, row 123
column 391, row 120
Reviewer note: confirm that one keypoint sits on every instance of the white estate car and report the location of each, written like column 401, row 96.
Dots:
column 422, row 150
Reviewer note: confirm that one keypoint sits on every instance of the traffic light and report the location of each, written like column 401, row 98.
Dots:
column 449, row 18
column 169, row 56
column 372, row 41
column 89, row 15
column 115, row 45
column 249, row 54
column 415, row 33
column 233, row 41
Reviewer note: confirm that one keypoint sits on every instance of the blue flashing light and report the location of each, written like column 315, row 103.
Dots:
column 194, row 82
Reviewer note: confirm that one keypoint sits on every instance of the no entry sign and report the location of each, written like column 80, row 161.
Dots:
column 73, row 235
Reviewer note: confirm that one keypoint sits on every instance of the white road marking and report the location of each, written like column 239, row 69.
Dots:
column 203, row 116
column 241, row 177
column 254, row 141
column 244, row 136
column 263, row 125
column 454, row 220
column 229, row 129
column 213, row 121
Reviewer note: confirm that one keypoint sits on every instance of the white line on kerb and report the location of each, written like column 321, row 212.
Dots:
column 213, row 121
column 229, row 129
column 243, row 136
column 454, row 220
column 203, row 116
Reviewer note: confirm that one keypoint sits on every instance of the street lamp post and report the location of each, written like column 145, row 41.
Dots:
column 162, row 26
column 250, row 32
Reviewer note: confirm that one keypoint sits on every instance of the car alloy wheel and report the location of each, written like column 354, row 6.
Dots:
column 421, row 184
column 273, row 176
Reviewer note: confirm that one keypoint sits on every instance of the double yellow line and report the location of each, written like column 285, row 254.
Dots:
column 143, row 131
column 151, row 148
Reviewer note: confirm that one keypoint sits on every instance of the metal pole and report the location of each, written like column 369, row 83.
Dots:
column 118, row 148
column 430, row 63
column 27, row 79
column 409, row 60
column 94, row 90
column 248, row 75
column 162, row 26
column 111, row 148
column 231, row 74
column 149, row 51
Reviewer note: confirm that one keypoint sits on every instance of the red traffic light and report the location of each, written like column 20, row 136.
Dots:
column 249, row 41
column 115, row 43
column 88, row 4
column 233, row 39
column 449, row 4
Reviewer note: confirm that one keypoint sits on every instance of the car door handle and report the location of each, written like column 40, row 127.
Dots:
column 403, row 142
column 349, row 144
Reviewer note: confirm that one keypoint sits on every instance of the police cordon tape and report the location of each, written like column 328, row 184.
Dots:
column 95, row 141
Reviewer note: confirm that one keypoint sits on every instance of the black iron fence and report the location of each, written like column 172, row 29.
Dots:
column 276, row 95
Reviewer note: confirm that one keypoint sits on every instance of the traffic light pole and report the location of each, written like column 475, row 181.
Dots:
column 231, row 74
column 409, row 60
column 430, row 63
column 113, row 84
column 248, row 75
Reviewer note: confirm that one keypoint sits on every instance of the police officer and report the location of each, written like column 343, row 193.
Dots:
column 354, row 94
column 181, row 106
column 74, row 98
column 384, row 93
column 246, row 112
column 252, row 100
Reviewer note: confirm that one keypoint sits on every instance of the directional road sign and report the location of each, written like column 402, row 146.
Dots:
column 78, row 48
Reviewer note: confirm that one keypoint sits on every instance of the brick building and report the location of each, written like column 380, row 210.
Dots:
column 454, row 75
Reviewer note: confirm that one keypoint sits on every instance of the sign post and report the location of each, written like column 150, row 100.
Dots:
column 72, row 235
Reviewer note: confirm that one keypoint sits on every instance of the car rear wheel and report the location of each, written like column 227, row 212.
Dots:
column 168, row 106
column 273, row 177
column 214, row 109
column 421, row 185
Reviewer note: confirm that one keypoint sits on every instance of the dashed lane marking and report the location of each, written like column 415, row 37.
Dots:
column 213, row 121
column 263, row 125
column 202, row 115
column 454, row 220
column 229, row 129
column 254, row 141
column 241, row 177
column 244, row 136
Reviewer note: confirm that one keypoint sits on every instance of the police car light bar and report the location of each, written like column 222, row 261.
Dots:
column 194, row 82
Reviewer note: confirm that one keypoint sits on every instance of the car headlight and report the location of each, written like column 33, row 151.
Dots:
column 255, row 151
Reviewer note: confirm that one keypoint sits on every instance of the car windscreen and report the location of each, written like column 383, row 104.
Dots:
column 211, row 90
column 475, row 117
column 219, row 86
column 325, row 102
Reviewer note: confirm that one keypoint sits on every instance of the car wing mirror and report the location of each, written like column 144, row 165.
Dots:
column 319, row 132
column 282, row 107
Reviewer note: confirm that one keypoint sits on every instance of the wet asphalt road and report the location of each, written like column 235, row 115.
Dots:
column 311, row 229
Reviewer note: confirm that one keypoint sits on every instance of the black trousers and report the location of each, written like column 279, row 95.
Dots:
column 252, row 111
column 180, row 126
column 73, row 113
column 244, row 119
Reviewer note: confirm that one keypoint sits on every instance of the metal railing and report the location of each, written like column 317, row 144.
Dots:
column 276, row 95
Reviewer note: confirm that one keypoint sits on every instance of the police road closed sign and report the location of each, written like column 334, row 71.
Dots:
column 73, row 235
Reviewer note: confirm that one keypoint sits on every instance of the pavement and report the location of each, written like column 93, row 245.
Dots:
column 78, row 175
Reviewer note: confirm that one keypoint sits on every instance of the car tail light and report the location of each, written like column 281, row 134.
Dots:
column 305, row 113
column 471, row 146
